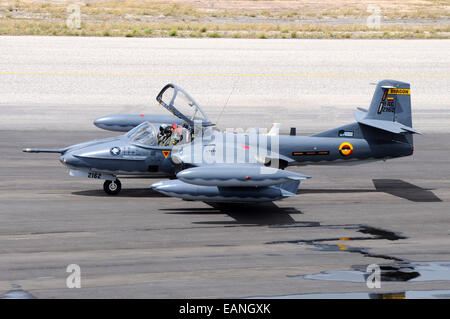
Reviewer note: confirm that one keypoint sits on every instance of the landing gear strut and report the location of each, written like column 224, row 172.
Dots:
column 112, row 187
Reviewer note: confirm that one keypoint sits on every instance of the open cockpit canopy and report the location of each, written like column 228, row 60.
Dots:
column 182, row 105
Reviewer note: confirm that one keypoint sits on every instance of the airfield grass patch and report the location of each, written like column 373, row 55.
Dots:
column 230, row 19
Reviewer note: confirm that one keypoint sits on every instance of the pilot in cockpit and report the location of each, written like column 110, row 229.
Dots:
column 172, row 135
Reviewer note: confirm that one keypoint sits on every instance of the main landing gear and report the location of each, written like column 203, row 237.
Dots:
column 112, row 187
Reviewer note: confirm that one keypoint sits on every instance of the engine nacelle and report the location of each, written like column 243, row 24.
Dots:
column 238, row 176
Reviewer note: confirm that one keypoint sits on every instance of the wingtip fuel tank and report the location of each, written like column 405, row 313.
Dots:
column 126, row 122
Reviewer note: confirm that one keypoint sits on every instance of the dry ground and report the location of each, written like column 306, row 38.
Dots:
column 223, row 18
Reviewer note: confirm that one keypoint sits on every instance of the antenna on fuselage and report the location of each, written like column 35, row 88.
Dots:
column 226, row 103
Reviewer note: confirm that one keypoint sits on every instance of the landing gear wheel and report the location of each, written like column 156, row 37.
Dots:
column 112, row 187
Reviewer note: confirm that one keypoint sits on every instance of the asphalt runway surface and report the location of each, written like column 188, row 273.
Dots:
column 143, row 245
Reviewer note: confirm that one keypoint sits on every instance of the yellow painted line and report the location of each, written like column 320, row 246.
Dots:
column 230, row 75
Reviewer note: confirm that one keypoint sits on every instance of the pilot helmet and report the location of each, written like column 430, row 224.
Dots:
column 162, row 128
column 167, row 129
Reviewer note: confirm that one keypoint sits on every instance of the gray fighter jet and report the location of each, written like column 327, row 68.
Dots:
column 216, row 166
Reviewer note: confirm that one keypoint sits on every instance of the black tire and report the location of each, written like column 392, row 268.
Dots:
column 112, row 187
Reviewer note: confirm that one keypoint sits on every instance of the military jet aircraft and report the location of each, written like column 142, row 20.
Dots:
column 216, row 166
column 144, row 150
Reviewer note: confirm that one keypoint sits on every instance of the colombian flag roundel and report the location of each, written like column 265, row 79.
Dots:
column 346, row 149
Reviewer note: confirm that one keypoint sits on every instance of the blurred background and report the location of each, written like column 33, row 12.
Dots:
column 228, row 18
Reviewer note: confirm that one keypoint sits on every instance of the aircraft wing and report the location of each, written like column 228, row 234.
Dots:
column 232, row 183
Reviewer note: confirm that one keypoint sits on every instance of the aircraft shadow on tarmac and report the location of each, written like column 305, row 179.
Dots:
column 396, row 187
column 264, row 214
column 400, row 188
column 242, row 214
column 125, row 192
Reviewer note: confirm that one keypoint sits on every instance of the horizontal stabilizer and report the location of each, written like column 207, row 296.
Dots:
column 362, row 109
column 389, row 126
column 359, row 116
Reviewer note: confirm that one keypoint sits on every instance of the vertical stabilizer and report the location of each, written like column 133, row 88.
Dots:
column 391, row 102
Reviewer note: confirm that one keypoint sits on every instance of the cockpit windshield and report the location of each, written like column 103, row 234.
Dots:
column 143, row 134
column 182, row 105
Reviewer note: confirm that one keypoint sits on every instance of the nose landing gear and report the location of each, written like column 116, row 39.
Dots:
column 112, row 187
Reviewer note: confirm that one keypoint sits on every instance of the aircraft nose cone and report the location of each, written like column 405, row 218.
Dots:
column 70, row 160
